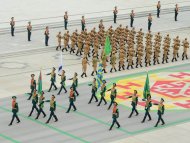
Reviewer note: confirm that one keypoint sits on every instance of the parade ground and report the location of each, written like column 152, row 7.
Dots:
column 90, row 123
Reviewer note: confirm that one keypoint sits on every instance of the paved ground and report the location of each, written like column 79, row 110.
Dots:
column 87, row 124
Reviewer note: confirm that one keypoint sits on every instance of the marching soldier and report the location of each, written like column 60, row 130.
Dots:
column 176, row 11
column 149, row 21
column 41, row 106
column 185, row 47
column 34, row 103
column 12, row 23
column 66, row 41
column 46, row 33
column 113, row 61
column 53, row 79
column 113, row 94
column 115, row 115
column 32, row 85
column 80, row 44
column 52, row 109
column 147, row 108
column 63, row 79
column 132, row 15
column 59, row 37
column 94, row 65
column 84, row 66
column 65, row 20
column 134, row 103
column 104, row 59
column 75, row 83
column 166, row 46
column 15, row 110
column 83, row 23
column 176, row 46
column 102, row 93
column 115, row 11
column 101, row 25
column 161, row 109
column 158, row 9
column 29, row 29
column 94, row 90
column 72, row 99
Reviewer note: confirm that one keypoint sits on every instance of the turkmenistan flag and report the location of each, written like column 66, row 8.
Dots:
column 146, row 87
column 107, row 48
column 40, row 84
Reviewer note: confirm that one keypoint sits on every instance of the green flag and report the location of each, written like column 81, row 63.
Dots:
column 146, row 87
column 40, row 84
column 107, row 48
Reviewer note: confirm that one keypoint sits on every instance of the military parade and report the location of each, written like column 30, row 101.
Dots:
column 102, row 50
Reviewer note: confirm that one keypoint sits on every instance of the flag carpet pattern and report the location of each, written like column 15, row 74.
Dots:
column 90, row 124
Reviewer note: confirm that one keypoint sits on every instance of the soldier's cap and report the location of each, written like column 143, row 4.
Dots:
column 32, row 75
column 104, row 81
column 13, row 97
column 42, row 92
column 162, row 99
column 76, row 73
column 116, row 103
column 54, row 68
column 114, row 83
column 53, row 96
column 71, row 87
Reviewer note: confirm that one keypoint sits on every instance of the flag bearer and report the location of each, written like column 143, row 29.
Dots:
column 148, row 105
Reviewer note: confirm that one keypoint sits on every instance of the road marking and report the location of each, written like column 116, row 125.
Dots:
column 9, row 138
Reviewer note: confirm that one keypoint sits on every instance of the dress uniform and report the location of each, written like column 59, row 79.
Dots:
column 59, row 37
column 148, row 105
column 53, row 79
column 149, row 21
column 102, row 93
column 115, row 11
column 83, row 23
column 113, row 61
column 52, row 109
column 104, row 60
column 63, row 79
column 113, row 95
column 115, row 115
column 65, row 20
column 29, row 30
column 66, row 41
column 72, row 99
column 94, row 65
column 12, row 23
column 161, row 109
column 80, row 44
column 75, row 83
column 46, row 33
column 41, row 106
column 132, row 15
column 158, row 9
column 84, row 66
column 34, row 103
column 32, row 85
column 94, row 90
column 176, row 11
column 15, row 110
column 134, row 103
column 185, row 47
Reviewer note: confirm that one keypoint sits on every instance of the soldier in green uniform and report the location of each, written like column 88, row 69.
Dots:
column 32, row 85
column 102, row 93
column 72, row 99
column 160, row 112
column 75, row 83
column 115, row 11
column 147, row 108
column 29, row 30
column 53, row 79
column 41, row 106
column 113, row 94
column 52, row 109
column 83, row 23
column 134, row 103
column 94, row 90
column 34, row 103
column 115, row 115
column 15, row 110
column 63, row 79
column 65, row 20
column 12, row 23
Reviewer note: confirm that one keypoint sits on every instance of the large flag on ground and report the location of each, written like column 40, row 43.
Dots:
column 107, row 48
column 40, row 84
column 99, row 78
column 146, row 87
column 60, row 68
